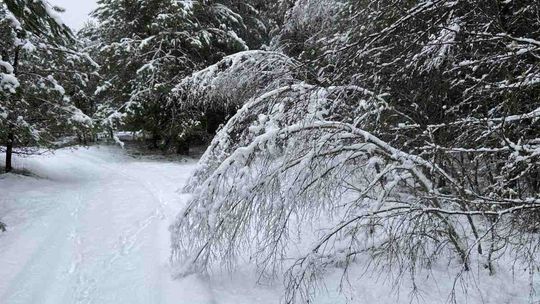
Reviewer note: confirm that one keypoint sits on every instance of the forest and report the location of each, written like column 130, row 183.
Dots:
column 344, row 140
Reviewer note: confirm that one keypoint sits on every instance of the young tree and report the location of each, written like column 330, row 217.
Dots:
column 34, row 107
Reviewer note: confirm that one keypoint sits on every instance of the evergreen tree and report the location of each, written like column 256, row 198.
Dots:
column 147, row 46
column 35, row 108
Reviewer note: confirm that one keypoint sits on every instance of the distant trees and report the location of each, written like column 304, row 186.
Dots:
column 145, row 47
column 412, row 130
column 37, row 61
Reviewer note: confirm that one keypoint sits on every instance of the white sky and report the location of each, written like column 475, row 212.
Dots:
column 76, row 11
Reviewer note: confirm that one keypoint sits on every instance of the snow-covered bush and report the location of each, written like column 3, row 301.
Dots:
column 291, row 158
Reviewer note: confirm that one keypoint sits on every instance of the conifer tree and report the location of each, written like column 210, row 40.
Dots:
column 148, row 46
column 410, row 131
column 35, row 108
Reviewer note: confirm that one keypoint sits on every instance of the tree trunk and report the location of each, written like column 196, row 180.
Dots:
column 11, row 136
column 156, row 138
column 182, row 147
column 213, row 120
column 9, row 152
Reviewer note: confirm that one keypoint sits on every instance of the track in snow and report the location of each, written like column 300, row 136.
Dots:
column 93, row 229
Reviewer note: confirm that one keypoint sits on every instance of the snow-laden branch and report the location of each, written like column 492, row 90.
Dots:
column 438, row 157
column 232, row 81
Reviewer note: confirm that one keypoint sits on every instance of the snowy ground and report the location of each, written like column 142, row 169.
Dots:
column 91, row 227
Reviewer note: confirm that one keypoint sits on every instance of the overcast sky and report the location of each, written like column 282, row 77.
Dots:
column 76, row 11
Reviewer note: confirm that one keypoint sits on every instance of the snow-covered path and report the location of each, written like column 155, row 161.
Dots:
column 93, row 229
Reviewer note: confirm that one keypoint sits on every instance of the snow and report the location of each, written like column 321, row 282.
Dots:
column 102, row 88
column 9, row 82
column 7, row 66
column 51, row 12
column 252, row 71
column 92, row 227
column 29, row 46
column 79, row 117
column 188, row 4
column 14, row 21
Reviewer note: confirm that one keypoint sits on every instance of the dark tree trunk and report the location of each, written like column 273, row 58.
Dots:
column 9, row 152
column 213, row 120
column 155, row 140
column 182, row 147
column 11, row 136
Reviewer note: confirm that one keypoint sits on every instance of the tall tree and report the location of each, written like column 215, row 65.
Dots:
column 34, row 106
column 147, row 46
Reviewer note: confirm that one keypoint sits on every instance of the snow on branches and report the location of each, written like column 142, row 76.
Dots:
column 230, row 82
column 410, row 138
column 146, row 47
column 37, row 56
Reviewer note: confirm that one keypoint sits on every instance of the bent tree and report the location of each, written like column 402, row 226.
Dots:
column 406, row 136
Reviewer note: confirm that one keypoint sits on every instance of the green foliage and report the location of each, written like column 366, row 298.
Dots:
column 39, row 75
column 40, row 19
column 145, row 47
